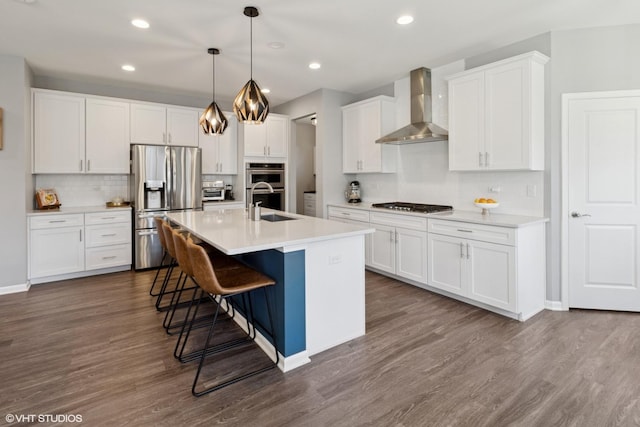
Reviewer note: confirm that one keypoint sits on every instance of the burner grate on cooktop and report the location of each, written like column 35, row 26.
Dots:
column 412, row 207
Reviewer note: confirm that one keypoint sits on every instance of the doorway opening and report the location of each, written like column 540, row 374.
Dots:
column 305, row 162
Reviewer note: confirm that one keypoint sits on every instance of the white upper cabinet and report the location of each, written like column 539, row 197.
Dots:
column 162, row 124
column 363, row 123
column 58, row 133
column 107, row 136
column 496, row 115
column 269, row 139
column 79, row 134
column 220, row 152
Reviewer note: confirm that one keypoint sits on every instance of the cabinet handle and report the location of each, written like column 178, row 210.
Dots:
column 479, row 159
column 269, row 150
column 486, row 159
column 80, row 235
column 169, row 137
column 108, row 235
column 465, row 231
column 108, row 217
column 264, row 150
column 346, row 213
column 461, row 250
column 57, row 220
column 80, row 165
column 88, row 165
column 467, row 251
column 109, row 257
column 164, row 137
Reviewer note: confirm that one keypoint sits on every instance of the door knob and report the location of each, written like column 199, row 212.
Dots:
column 575, row 214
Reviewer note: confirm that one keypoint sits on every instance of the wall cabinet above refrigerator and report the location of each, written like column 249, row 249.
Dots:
column 164, row 124
column 496, row 115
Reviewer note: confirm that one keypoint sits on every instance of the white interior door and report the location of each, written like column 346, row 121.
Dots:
column 602, row 137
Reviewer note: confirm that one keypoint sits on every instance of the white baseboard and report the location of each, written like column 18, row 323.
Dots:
column 554, row 305
column 13, row 289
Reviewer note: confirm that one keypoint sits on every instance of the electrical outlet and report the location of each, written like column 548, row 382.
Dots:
column 532, row 190
column 335, row 259
column 495, row 189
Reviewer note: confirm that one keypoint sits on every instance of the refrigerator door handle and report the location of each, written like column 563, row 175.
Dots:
column 147, row 233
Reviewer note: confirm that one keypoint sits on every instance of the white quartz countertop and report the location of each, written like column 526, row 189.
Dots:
column 232, row 232
column 76, row 210
column 499, row 220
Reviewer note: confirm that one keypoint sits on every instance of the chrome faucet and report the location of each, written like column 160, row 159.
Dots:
column 254, row 210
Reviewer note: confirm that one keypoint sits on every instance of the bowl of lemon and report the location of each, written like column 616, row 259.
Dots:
column 485, row 204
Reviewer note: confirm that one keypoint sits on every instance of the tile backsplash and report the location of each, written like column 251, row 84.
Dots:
column 85, row 190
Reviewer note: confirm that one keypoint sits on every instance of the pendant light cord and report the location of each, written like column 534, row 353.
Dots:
column 213, row 83
column 251, row 44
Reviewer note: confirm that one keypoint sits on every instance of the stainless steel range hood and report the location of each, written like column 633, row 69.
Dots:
column 421, row 128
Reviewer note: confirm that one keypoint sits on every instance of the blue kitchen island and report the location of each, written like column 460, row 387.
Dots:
column 318, row 266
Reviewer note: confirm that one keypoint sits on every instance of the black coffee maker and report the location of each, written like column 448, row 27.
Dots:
column 353, row 192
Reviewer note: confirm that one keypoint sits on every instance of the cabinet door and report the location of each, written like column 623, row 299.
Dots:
column 209, row 145
column 148, row 124
column 370, row 123
column 107, row 142
column 466, row 122
column 492, row 275
column 383, row 248
column 58, row 133
column 56, row 251
column 182, row 126
column 447, row 258
column 411, row 247
column 277, row 137
column 255, row 139
column 507, row 116
column 350, row 145
column 228, row 147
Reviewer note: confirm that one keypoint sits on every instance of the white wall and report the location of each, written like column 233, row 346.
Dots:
column 16, row 188
column 305, row 146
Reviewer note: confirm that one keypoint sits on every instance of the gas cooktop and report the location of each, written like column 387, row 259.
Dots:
column 412, row 207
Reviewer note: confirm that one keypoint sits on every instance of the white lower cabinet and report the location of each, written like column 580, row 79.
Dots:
column 108, row 242
column 399, row 245
column 504, row 268
column 73, row 245
column 56, row 245
column 309, row 204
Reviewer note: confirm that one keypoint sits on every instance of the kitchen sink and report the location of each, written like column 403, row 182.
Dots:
column 273, row 217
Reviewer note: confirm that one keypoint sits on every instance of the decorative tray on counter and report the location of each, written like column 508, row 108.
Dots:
column 118, row 204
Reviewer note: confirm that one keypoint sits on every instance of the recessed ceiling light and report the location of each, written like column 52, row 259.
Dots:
column 265, row 90
column 128, row 67
column 314, row 65
column 140, row 23
column 275, row 45
column 405, row 19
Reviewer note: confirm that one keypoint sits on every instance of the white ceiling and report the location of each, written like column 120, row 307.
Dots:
column 357, row 41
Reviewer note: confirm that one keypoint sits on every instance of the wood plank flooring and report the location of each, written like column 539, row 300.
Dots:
column 96, row 347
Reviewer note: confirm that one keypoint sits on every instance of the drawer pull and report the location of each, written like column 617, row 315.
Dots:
column 109, row 257
column 465, row 231
column 57, row 220
column 108, row 235
column 346, row 213
column 108, row 217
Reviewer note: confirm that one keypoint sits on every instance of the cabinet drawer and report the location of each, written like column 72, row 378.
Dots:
column 346, row 213
column 56, row 221
column 468, row 230
column 309, row 196
column 108, row 256
column 109, row 234
column 404, row 221
column 107, row 217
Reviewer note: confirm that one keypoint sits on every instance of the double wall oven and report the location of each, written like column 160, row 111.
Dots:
column 271, row 173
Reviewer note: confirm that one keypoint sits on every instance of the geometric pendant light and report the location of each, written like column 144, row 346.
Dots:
column 250, row 105
column 212, row 120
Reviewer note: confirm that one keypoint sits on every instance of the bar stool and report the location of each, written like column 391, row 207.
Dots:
column 225, row 283
column 165, row 255
column 184, row 262
column 166, row 230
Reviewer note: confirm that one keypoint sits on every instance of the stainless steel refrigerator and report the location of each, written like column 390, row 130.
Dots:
column 163, row 179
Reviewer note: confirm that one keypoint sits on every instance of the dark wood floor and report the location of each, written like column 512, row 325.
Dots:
column 95, row 347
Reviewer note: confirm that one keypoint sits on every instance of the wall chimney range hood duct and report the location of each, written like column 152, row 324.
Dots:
column 421, row 128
